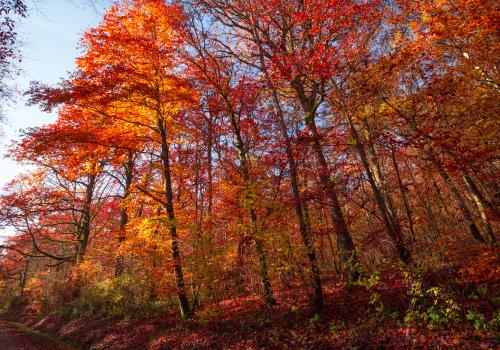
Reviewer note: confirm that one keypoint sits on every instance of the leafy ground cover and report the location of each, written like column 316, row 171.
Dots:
column 452, row 308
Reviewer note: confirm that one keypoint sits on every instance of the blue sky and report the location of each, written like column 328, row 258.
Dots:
column 49, row 36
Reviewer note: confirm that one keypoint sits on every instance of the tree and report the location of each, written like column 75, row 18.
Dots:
column 128, row 71
column 10, row 12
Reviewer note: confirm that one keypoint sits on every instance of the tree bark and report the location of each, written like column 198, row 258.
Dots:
column 481, row 202
column 403, row 194
column 169, row 206
column 344, row 239
column 393, row 230
column 259, row 244
column 83, row 233
column 129, row 172
column 431, row 218
column 84, row 226
column 467, row 215
column 318, row 302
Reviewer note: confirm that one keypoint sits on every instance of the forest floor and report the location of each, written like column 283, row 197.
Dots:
column 18, row 337
column 383, row 312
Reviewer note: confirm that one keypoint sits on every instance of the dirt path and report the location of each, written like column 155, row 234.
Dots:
column 12, row 338
column 7, row 341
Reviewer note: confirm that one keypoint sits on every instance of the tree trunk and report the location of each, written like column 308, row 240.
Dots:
column 393, row 230
column 129, row 172
column 379, row 177
column 467, row 215
column 169, row 206
column 209, row 165
column 83, row 234
column 84, row 226
column 481, row 202
column 24, row 274
column 344, row 239
column 403, row 194
column 318, row 302
column 431, row 218
column 259, row 244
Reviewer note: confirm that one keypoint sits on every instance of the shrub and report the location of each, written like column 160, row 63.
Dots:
column 431, row 305
column 121, row 296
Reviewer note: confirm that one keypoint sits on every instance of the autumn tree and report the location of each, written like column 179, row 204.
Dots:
column 129, row 72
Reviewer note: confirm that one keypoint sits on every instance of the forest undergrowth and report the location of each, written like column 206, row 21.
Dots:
column 455, row 305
